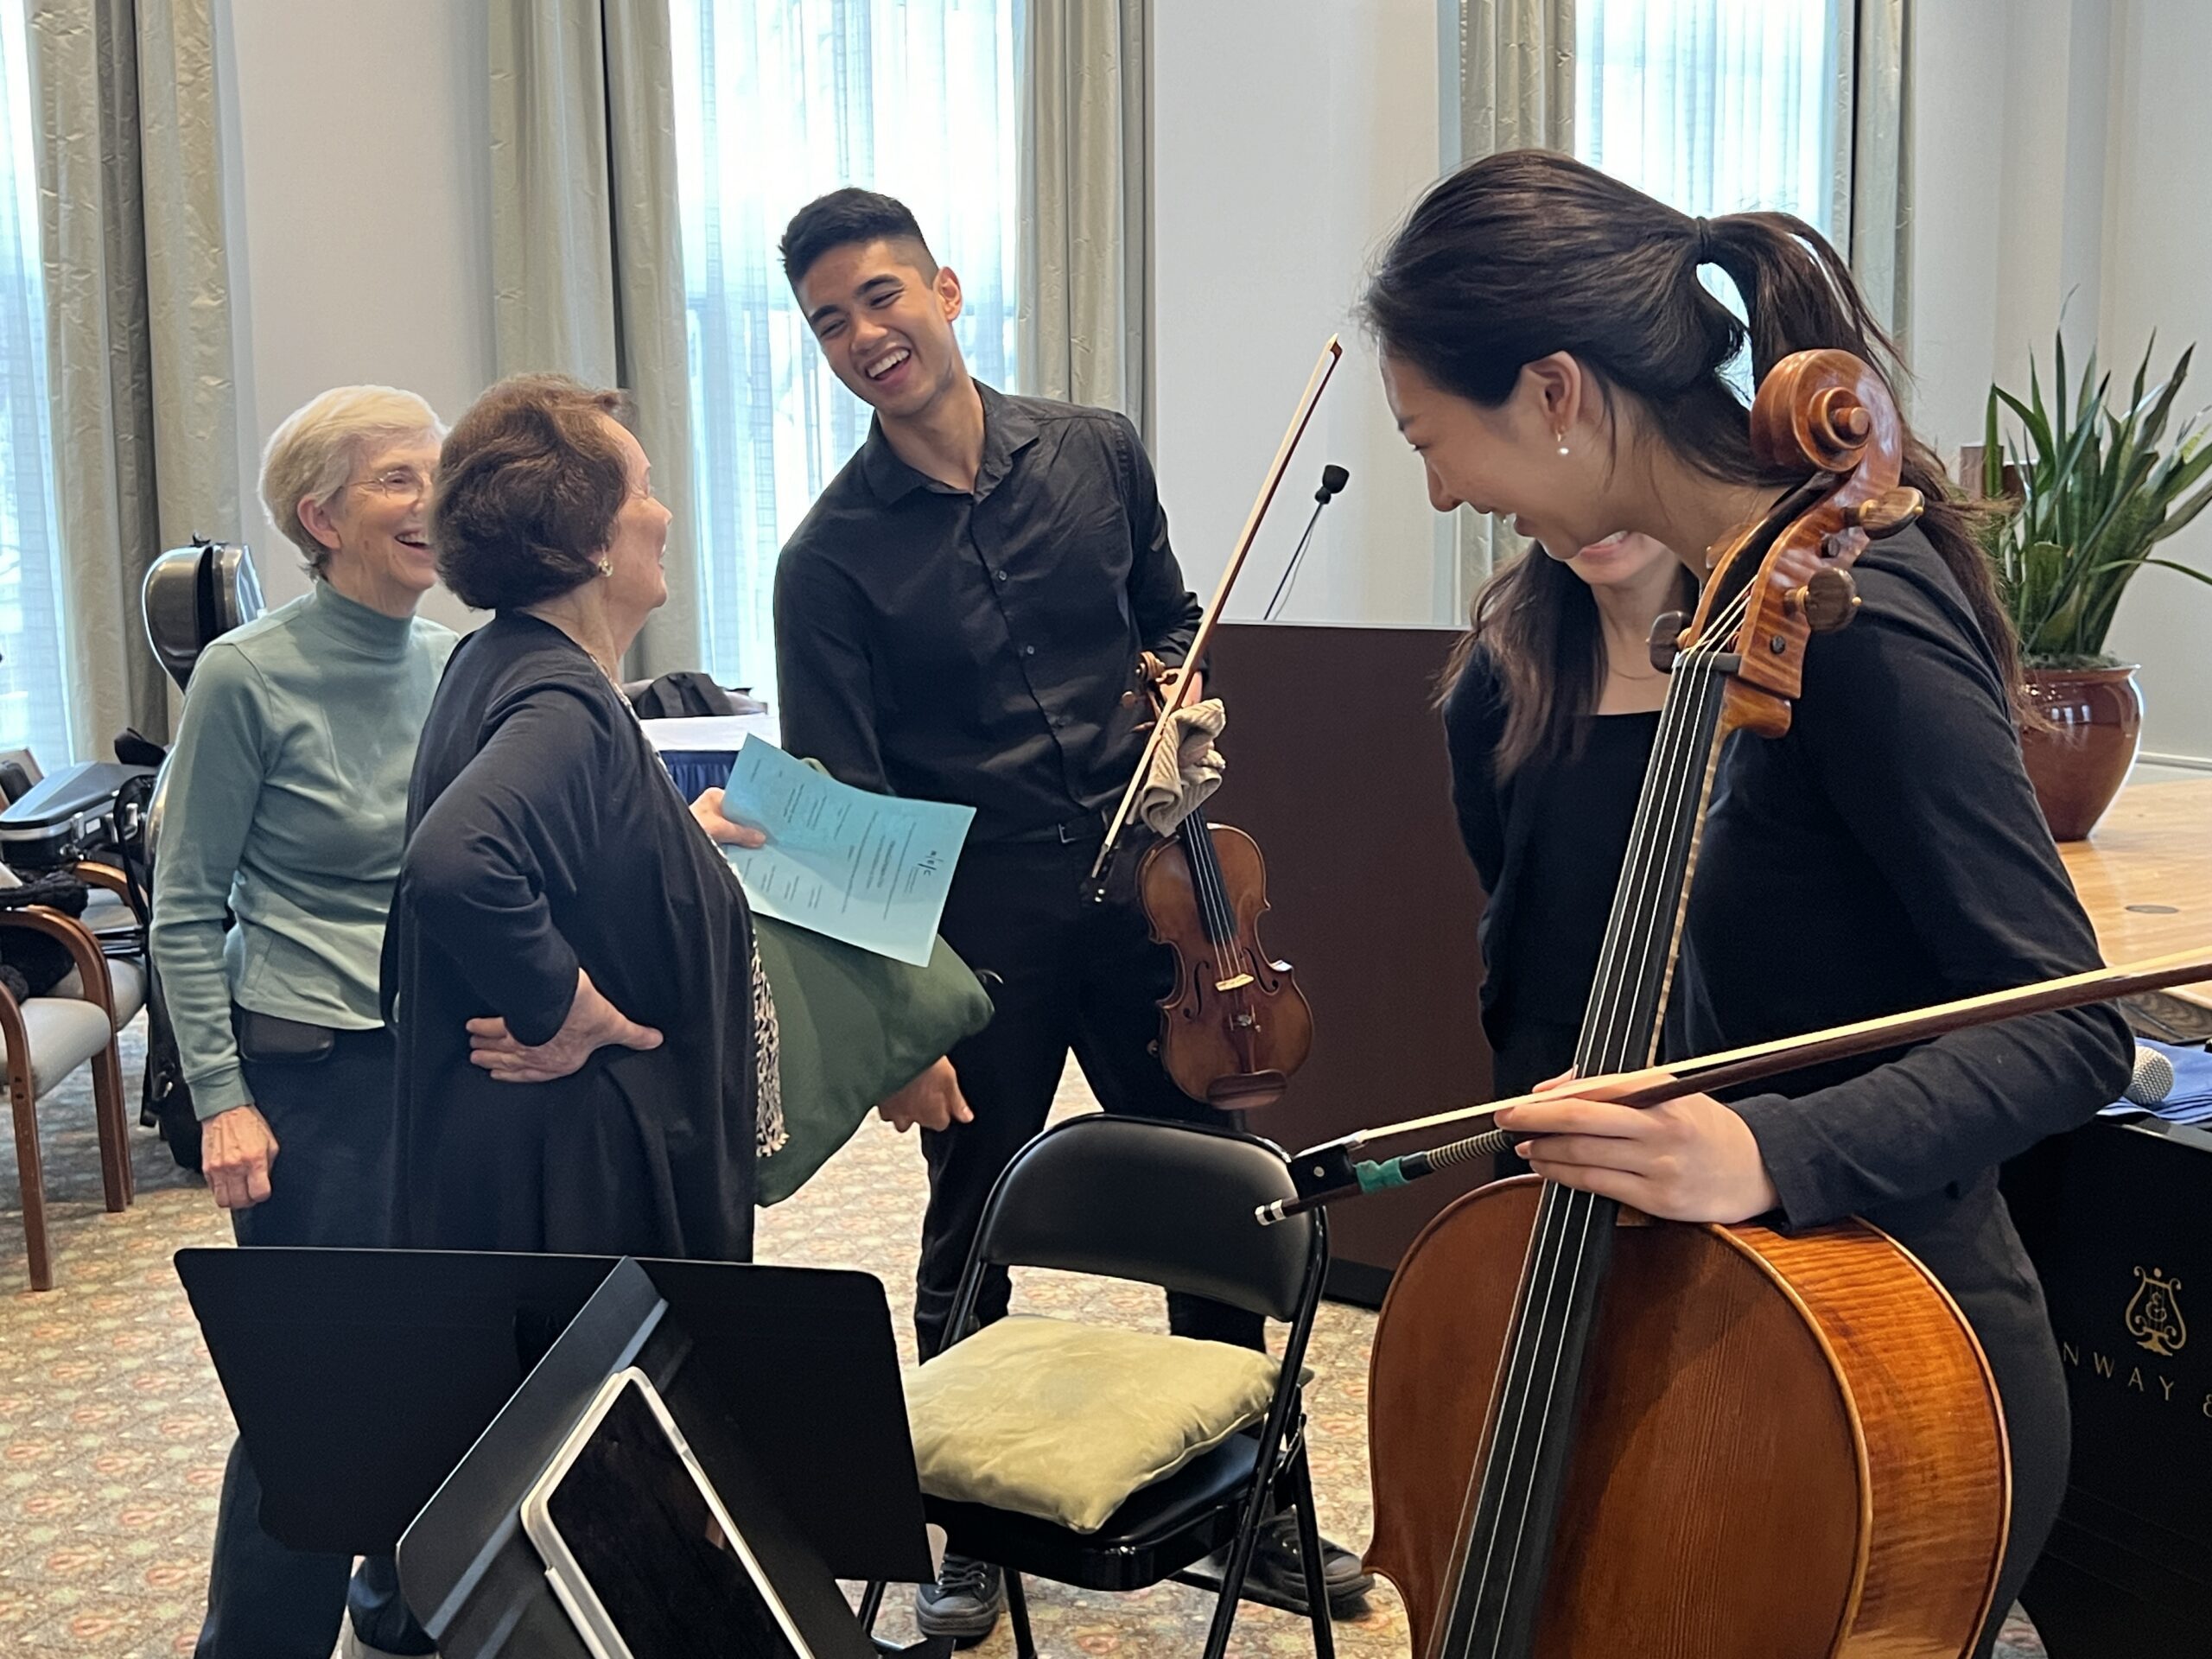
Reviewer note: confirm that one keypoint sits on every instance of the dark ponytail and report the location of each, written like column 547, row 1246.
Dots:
column 1527, row 253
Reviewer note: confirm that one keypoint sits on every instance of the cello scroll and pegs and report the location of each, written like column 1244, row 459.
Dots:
column 1829, row 597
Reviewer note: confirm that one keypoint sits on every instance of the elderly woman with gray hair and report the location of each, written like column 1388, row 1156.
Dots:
column 285, row 805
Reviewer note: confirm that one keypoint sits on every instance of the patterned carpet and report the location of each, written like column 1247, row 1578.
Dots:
column 112, row 1431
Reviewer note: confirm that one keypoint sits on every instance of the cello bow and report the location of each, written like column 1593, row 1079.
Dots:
column 1326, row 1172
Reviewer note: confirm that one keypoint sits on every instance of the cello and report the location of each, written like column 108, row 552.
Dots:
column 1700, row 1441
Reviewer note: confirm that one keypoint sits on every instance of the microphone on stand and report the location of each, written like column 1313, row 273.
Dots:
column 2153, row 1079
column 1333, row 478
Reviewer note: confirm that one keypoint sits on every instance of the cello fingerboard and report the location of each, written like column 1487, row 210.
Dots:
column 1497, row 1594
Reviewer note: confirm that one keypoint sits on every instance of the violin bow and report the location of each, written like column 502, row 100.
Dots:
column 1179, row 698
column 1328, row 1173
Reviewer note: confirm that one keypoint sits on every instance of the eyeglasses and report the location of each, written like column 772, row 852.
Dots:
column 406, row 482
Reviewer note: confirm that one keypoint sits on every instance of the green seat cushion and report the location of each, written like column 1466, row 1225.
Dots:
column 853, row 1028
column 1064, row 1421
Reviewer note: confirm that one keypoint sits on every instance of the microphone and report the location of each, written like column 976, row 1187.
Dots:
column 2153, row 1080
column 1333, row 478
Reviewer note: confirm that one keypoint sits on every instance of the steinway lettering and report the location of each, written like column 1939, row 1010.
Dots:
column 2151, row 1384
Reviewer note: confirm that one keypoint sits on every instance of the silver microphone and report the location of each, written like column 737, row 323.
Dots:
column 2153, row 1079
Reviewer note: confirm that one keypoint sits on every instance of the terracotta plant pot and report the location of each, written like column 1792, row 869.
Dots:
column 2078, row 766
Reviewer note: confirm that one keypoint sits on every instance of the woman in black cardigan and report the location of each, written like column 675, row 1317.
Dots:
column 1551, row 351
column 1550, row 704
column 588, row 1057
column 587, row 1045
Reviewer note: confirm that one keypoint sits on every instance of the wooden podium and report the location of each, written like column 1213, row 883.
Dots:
column 1337, row 767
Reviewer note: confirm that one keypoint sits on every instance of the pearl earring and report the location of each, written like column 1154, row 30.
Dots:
column 1561, row 437
column 606, row 566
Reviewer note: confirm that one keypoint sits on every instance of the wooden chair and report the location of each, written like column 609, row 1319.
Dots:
column 45, row 1038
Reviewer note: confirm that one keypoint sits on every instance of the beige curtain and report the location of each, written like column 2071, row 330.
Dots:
column 138, row 326
column 586, row 250
column 1516, row 89
column 1881, row 169
column 1085, row 189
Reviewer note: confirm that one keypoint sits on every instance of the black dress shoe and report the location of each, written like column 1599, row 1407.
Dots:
column 1277, row 1575
column 963, row 1604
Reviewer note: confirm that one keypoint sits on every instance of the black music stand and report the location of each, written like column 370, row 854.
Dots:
column 370, row 1385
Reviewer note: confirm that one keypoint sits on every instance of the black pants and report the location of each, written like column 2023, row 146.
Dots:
column 1070, row 974
column 331, row 1186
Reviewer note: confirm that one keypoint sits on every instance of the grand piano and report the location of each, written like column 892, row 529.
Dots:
column 2118, row 1218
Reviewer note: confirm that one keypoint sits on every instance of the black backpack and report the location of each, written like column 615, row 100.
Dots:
column 165, row 1100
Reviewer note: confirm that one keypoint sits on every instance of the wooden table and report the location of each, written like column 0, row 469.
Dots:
column 2146, row 875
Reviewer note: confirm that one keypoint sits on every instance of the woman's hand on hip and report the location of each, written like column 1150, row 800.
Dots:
column 236, row 1150
column 593, row 1023
column 1689, row 1159
column 708, row 810
column 932, row 1100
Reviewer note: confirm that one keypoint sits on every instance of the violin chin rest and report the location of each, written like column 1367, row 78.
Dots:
column 1242, row 1090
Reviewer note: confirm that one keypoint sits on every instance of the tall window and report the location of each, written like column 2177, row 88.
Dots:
column 777, row 101
column 33, row 691
column 1717, row 106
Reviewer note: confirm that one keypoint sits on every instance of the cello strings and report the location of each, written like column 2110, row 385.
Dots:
column 1546, row 1251
column 1683, row 723
column 1573, row 1215
column 1673, row 827
column 1570, row 1219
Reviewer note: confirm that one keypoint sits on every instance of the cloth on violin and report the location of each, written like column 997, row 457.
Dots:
column 1179, row 775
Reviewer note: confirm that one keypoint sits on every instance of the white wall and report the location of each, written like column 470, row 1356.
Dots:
column 1283, row 155
column 359, row 215
column 2058, row 168
column 2158, row 277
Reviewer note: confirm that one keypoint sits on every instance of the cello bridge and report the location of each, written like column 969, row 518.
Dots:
column 1235, row 983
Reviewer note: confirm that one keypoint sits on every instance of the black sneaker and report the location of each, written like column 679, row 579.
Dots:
column 1278, row 1573
column 963, row 1604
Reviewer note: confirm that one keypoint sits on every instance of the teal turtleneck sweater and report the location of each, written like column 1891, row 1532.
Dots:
column 286, row 800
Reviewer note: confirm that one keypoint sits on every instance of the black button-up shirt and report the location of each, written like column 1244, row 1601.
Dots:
column 978, row 647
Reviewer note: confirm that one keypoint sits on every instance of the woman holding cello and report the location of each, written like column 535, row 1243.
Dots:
column 1552, row 356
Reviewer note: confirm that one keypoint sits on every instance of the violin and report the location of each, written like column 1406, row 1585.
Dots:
column 1236, row 1025
column 1663, row 1440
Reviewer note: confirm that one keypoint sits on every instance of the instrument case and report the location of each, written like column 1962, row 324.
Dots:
column 64, row 818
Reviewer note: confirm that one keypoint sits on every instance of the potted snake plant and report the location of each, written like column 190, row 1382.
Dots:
column 2084, row 498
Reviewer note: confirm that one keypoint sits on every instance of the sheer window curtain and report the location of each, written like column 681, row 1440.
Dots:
column 777, row 101
column 1714, row 106
column 1720, row 106
column 33, row 703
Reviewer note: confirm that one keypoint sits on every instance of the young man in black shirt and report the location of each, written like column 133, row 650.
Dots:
column 960, row 619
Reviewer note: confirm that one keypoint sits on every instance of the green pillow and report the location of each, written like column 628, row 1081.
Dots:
column 854, row 1027
column 1064, row 1421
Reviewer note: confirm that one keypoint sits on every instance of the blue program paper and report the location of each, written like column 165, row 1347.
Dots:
column 871, row 870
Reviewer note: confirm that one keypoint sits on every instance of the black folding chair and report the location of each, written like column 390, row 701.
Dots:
column 1170, row 1204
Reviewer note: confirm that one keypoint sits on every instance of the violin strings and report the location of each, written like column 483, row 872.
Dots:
column 1206, row 879
column 1673, row 789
